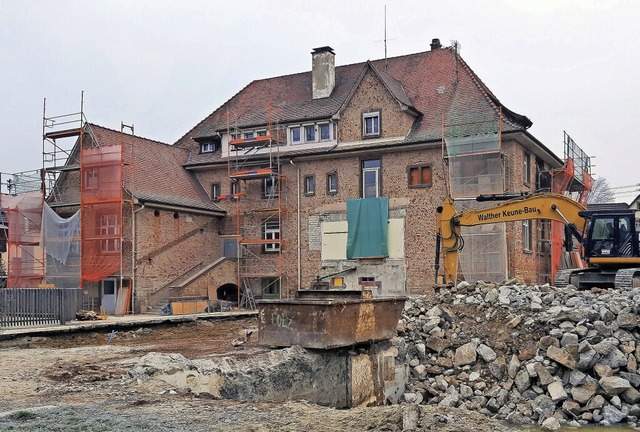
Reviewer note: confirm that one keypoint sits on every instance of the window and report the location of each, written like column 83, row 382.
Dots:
column 270, row 287
column 526, row 169
column 261, row 133
column 207, row 147
column 271, row 231
column 325, row 132
column 248, row 135
column 332, row 183
column 234, row 187
column 215, row 191
column 371, row 124
column 310, row 185
column 236, row 136
column 420, row 176
column 310, row 133
column 371, row 178
column 294, row 135
column 109, row 233
column 270, row 187
column 526, row 235
column 91, row 179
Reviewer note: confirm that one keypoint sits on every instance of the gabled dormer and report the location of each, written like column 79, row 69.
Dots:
column 377, row 108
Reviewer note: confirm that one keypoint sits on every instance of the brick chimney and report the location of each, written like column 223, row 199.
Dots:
column 435, row 44
column 323, row 72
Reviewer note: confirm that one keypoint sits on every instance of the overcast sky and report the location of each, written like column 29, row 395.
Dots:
column 163, row 66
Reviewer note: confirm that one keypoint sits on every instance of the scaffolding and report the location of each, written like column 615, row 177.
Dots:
column 575, row 180
column 258, row 190
column 472, row 153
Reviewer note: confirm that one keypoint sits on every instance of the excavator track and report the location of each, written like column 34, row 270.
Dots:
column 563, row 277
column 624, row 277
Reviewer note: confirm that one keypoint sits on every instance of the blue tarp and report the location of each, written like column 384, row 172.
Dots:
column 368, row 220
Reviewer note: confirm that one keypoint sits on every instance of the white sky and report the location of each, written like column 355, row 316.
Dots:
column 163, row 65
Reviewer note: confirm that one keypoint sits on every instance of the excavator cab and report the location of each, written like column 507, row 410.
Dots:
column 610, row 235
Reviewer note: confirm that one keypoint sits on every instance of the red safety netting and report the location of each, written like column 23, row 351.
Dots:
column 26, row 257
column 101, row 211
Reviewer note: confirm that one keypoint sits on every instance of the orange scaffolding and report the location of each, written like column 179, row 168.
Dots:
column 254, row 168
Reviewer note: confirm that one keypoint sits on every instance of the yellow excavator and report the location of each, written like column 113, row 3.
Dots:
column 609, row 238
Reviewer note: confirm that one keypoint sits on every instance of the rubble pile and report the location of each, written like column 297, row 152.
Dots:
column 527, row 354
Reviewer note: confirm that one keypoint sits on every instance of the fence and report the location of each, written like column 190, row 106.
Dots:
column 38, row 306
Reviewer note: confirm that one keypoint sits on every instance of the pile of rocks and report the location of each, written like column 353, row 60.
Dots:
column 527, row 354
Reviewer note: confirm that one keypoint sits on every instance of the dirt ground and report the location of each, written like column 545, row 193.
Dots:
column 79, row 382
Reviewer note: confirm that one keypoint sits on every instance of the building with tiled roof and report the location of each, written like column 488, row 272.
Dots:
column 329, row 177
column 322, row 140
column 163, row 225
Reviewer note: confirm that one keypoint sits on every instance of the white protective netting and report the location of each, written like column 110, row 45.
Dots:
column 476, row 167
column 61, row 242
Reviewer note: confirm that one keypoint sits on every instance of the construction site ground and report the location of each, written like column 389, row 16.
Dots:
column 77, row 381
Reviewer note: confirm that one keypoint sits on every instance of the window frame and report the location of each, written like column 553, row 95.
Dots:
column 310, row 127
column 420, row 168
column 297, row 128
column 527, row 235
column 274, row 187
column 320, row 127
column 378, row 171
column 267, row 282
column 310, row 185
column 526, row 168
column 216, row 191
column 317, row 129
column 91, row 180
column 234, row 187
column 372, row 114
column 109, row 226
column 329, row 176
column 271, row 231
column 207, row 147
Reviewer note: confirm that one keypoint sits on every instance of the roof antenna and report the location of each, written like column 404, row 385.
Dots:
column 385, row 37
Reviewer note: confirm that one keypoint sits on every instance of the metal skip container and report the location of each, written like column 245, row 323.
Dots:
column 325, row 319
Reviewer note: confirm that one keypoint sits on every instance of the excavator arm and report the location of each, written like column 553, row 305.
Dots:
column 536, row 206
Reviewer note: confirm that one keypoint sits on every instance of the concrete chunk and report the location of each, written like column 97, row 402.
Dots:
column 562, row 356
column 556, row 391
column 465, row 354
column 487, row 354
column 614, row 385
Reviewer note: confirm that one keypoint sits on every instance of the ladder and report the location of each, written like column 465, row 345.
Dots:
column 247, row 301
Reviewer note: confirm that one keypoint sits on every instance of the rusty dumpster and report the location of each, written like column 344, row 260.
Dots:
column 325, row 319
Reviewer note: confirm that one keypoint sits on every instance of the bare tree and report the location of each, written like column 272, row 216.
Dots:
column 601, row 193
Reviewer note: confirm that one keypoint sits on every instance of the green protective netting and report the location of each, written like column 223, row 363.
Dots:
column 368, row 220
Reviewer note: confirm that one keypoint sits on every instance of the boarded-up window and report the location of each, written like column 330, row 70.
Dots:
column 334, row 240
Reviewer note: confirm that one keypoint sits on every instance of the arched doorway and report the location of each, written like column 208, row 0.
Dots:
column 228, row 292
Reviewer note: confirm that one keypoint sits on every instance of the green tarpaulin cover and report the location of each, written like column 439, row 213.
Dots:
column 368, row 220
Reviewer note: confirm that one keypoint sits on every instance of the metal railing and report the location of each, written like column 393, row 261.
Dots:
column 21, row 307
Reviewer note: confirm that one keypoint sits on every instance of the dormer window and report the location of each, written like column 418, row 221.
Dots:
column 310, row 133
column 325, row 131
column 207, row 147
column 208, row 144
column 371, row 124
column 294, row 135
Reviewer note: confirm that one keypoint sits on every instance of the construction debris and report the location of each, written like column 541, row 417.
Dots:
column 86, row 315
column 527, row 354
